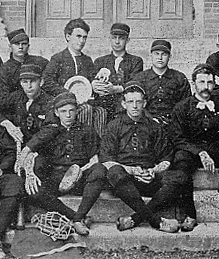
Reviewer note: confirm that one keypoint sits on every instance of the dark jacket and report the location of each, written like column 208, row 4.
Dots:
column 29, row 121
column 10, row 72
column 7, row 151
column 163, row 92
column 135, row 143
column 66, row 147
column 193, row 128
column 61, row 67
column 129, row 67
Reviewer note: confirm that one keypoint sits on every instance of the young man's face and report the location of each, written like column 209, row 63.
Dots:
column 204, row 85
column 160, row 58
column 67, row 114
column 76, row 41
column 134, row 104
column 31, row 86
column 118, row 42
column 19, row 49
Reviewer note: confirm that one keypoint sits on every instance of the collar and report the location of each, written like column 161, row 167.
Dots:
column 115, row 57
column 39, row 98
column 153, row 75
column 129, row 121
column 18, row 62
column 73, row 53
column 201, row 105
column 77, row 124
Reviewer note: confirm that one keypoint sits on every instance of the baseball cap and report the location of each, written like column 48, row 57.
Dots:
column 120, row 29
column 28, row 71
column 17, row 36
column 65, row 98
column 132, row 86
column 161, row 45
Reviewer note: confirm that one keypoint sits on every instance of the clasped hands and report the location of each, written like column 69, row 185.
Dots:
column 102, row 88
column 143, row 175
column 147, row 175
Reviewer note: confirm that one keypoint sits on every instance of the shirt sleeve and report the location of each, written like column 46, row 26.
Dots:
column 185, row 87
column 43, row 137
column 163, row 147
column 137, row 68
column 178, row 131
column 109, row 144
column 92, row 143
column 8, row 148
column 50, row 75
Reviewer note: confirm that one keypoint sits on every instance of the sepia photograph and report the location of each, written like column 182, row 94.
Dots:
column 109, row 129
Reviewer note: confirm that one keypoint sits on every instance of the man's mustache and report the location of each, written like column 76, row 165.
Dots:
column 206, row 91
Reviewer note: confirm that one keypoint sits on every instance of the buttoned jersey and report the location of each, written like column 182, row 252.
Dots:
column 28, row 120
column 64, row 147
column 135, row 143
column 192, row 127
column 163, row 92
column 10, row 72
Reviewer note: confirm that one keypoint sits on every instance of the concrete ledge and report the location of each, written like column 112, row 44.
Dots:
column 108, row 208
column 204, row 237
column 105, row 236
column 205, row 180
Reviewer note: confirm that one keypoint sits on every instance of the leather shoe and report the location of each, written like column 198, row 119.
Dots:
column 169, row 225
column 124, row 223
column 188, row 224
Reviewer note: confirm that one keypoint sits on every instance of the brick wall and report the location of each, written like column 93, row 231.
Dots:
column 13, row 13
column 211, row 18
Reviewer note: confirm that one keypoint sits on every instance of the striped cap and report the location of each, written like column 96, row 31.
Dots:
column 17, row 36
column 30, row 71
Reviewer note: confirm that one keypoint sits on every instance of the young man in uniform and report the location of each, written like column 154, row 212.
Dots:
column 28, row 105
column 10, row 70
column 195, row 134
column 121, row 66
column 138, row 160
column 73, row 62
column 67, row 146
column 164, row 86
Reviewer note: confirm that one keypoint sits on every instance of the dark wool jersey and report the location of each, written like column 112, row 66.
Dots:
column 193, row 128
column 28, row 120
column 10, row 72
column 135, row 143
column 65, row 147
column 163, row 92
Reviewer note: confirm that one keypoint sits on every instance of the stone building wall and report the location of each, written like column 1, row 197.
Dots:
column 185, row 55
column 211, row 18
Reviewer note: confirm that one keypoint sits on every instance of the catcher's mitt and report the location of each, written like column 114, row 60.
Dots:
column 72, row 175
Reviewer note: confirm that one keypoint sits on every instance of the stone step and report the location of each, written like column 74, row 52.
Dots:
column 108, row 208
column 107, row 237
column 206, row 181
